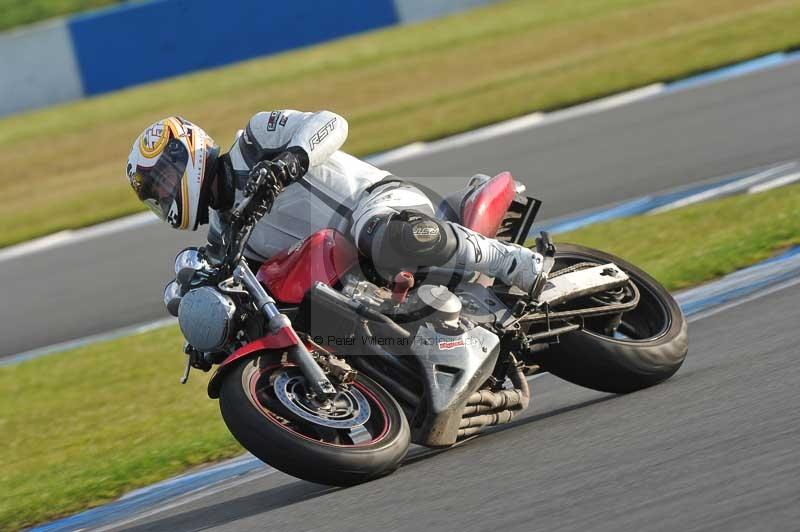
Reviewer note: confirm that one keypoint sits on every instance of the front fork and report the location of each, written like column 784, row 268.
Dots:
column 319, row 384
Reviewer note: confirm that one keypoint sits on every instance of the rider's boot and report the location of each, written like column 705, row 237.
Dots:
column 511, row 264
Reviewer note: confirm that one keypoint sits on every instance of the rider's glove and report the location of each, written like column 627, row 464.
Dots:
column 270, row 177
column 289, row 166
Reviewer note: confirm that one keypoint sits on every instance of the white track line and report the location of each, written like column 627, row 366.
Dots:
column 421, row 149
column 409, row 151
column 604, row 104
column 72, row 236
column 775, row 183
column 86, row 340
column 34, row 246
column 515, row 125
column 200, row 494
column 725, row 189
column 746, row 299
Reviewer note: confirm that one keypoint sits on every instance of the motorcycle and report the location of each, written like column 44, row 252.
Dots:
column 327, row 369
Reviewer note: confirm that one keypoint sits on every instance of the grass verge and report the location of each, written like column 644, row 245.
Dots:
column 695, row 244
column 63, row 166
column 18, row 12
column 84, row 426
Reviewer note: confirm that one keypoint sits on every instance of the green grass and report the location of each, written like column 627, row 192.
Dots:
column 63, row 166
column 694, row 244
column 18, row 12
column 82, row 427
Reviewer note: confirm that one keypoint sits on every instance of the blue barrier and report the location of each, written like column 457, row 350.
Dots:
column 137, row 43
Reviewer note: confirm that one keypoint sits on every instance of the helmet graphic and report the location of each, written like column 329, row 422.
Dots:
column 170, row 168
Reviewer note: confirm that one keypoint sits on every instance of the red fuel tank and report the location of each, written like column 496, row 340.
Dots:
column 324, row 256
column 484, row 210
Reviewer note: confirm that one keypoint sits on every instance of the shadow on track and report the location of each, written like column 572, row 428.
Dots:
column 493, row 431
column 425, row 454
column 222, row 513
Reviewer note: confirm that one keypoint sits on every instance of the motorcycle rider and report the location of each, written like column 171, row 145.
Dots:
column 177, row 170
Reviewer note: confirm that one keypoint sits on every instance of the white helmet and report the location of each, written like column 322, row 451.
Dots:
column 170, row 167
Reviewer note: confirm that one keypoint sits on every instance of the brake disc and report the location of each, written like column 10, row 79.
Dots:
column 348, row 409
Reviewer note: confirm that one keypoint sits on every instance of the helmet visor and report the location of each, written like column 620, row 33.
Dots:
column 158, row 186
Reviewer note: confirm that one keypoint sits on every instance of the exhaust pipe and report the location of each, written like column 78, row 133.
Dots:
column 486, row 408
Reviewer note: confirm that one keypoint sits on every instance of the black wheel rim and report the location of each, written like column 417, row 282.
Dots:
column 354, row 431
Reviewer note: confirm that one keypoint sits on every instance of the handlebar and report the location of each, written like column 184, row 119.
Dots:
column 259, row 196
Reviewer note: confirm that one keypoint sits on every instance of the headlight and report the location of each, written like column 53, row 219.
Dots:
column 206, row 318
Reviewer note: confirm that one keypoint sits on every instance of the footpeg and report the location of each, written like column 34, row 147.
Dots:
column 547, row 249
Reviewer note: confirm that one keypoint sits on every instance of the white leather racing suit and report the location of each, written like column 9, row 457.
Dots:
column 377, row 210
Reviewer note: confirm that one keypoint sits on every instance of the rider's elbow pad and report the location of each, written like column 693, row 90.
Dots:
column 320, row 136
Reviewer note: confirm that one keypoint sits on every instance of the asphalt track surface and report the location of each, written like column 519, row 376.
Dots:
column 713, row 448
column 675, row 139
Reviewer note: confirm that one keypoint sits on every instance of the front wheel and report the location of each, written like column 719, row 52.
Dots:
column 360, row 435
column 647, row 345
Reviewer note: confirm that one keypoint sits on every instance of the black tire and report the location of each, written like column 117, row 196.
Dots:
column 273, row 441
column 621, row 365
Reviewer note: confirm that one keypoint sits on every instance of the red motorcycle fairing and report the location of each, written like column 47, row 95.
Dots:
column 285, row 337
column 324, row 256
column 484, row 209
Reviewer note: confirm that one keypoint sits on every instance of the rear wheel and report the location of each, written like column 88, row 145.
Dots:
column 360, row 435
column 645, row 347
